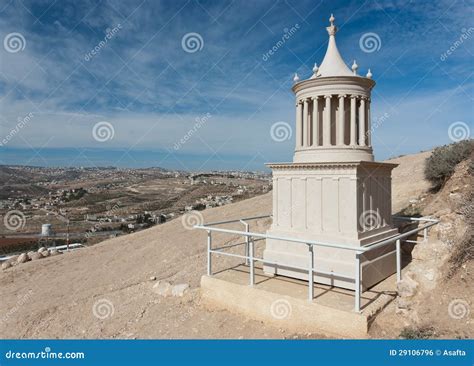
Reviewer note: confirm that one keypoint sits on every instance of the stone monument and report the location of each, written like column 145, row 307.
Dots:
column 333, row 191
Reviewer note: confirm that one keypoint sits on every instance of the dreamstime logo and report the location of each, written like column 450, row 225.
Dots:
column 109, row 34
column 280, row 131
column 280, row 309
column 200, row 121
column 192, row 218
column 458, row 309
column 370, row 219
column 459, row 131
column 287, row 34
column 22, row 122
column 465, row 35
column 192, row 42
column 103, row 309
column 370, row 42
column 14, row 220
column 103, row 131
column 14, row 42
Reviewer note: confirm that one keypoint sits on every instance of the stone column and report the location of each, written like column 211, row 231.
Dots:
column 362, row 122
column 298, row 124
column 353, row 120
column 369, row 124
column 342, row 125
column 315, row 122
column 327, row 122
column 305, row 123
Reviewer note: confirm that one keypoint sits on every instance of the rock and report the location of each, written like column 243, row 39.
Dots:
column 407, row 287
column 152, row 278
column 429, row 274
column 6, row 265
column 424, row 252
column 54, row 252
column 36, row 256
column 22, row 258
column 179, row 290
column 403, row 303
column 42, row 249
column 162, row 288
column 31, row 254
column 45, row 253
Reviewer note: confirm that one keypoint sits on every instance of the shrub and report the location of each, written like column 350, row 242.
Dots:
column 418, row 333
column 440, row 165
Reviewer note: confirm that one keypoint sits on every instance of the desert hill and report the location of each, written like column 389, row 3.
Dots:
column 66, row 296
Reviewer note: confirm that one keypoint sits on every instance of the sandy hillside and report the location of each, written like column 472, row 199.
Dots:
column 408, row 180
column 54, row 297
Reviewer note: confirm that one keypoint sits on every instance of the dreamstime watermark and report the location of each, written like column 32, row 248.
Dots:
column 465, row 35
column 370, row 42
column 200, row 121
column 192, row 42
column 370, row 219
column 110, row 212
column 458, row 309
column 14, row 42
column 21, row 301
column 191, row 218
column 46, row 354
column 103, row 309
column 287, row 34
column 459, row 131
column 22, row 122
column 109, row 34
column 14, row 220
column 103, row 131
column 280, row 309
column 280, row 131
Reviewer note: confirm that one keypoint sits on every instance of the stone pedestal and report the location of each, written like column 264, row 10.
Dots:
column 342, row 203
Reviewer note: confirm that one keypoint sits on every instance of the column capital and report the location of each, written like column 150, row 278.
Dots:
column 362, row 97
column 315, row 98
column 342, row 95
column 354, row 96
column 328, row 96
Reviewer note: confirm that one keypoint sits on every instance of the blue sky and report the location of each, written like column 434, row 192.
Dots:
column 213, row 108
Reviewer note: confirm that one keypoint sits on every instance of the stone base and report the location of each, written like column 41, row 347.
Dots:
column 284, row 304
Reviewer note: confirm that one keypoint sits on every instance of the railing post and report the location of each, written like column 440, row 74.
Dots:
column 209, row 243
column 425, row 234
column 252, row 269
column 399, row 261
column 357, row 284
column 247, row 243
column 310, row 274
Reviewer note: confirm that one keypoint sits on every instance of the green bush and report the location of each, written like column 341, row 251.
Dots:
column 424, row 332
column 440, row 165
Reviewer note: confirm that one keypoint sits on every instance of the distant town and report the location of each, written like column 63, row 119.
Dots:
column 55, row 206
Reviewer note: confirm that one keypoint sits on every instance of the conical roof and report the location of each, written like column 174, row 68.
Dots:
column 333, row 64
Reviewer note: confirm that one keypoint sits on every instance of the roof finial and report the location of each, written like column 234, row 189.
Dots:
column 315, row 68
column 296, row 78
column 369, row 74
column 355, row 67
column 332, row 29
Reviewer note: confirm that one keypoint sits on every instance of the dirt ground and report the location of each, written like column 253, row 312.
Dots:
column 106, row 291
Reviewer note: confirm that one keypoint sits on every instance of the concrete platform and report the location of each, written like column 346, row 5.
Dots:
column 283, row 301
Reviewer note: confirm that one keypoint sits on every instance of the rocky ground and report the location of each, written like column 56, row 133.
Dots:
column 146, row 285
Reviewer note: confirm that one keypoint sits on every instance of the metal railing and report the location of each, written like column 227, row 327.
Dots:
column 250, row 258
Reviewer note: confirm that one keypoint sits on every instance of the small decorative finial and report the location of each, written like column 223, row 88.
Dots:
column 369, row 74
column 355, row 67
column 332, row 29
column 315, row 68
column 296, row 78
